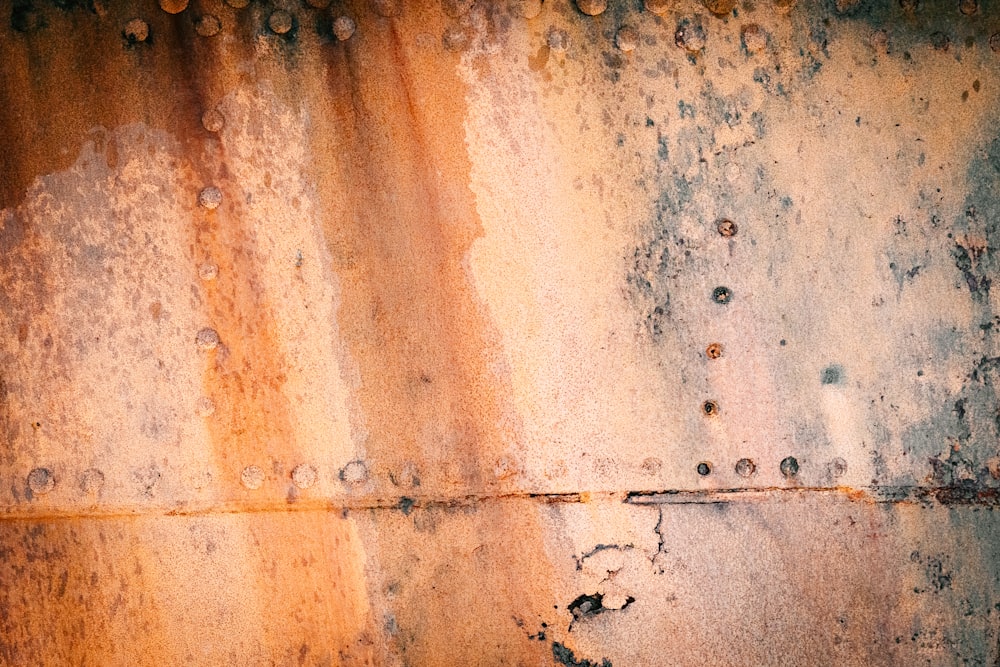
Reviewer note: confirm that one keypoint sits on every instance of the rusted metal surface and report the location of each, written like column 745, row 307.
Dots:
column 499, row 333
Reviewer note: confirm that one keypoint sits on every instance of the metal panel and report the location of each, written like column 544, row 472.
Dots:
column 386, row 333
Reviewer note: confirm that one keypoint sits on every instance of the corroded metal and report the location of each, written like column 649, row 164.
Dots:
column 487, row 332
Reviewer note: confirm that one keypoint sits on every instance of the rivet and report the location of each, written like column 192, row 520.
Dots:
column 504, row 467
column 880, row 41
column 343, row 28
column 210, row 197
column 454, row 39
column 722, row 295
column 627, row 38
column 136, row 31
column 557, row 40
column 720, row 8
column 304, row 475
column 968, row 7
column 252, row 477
column 91, row 481
column 754, row 38
column 940, row 41
column 710, row 408
column 41, row 481
column 995, row 42
column 745, row 467
column 651, row 465
column 714, row 351
column 456, row 8
column 690, row 37
column 727, row 227
column 354, row 473
column 280, row 22
column 657, row 6
column 205, row 406
column 173, row 6
column 387, row 8
column 207, row 339
column 529, row 9
column 704, row 468
column 789, row 467
column 213, row 120
column 208, row 271
column 592, row 7
column 208, row 26
column 838, row 467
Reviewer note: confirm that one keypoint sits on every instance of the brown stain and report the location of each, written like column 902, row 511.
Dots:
column 412, row 321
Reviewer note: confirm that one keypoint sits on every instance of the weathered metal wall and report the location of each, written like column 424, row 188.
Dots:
column 499, row 333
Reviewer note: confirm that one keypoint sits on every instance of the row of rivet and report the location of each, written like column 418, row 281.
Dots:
column 41, row 481
column 789, row 467
column 692, row 38
column 532, row 8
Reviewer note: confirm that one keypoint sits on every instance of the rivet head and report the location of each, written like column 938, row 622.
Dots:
column 657, row 6
column 173, row 6
column 354, row 473
column 710, row 408
column 205, row 407
column 727, row 228
column 995, row 42
column 343, row 28
column 136, row 31
column 754, row 38
column 91, row 481
column 387, row 8
column 213, row 120
column 280, row 22
column 456, row 8
column 210, row 197
column 208, row 271
column 880, row 41
column 720, row 8
column 838, row 467
column 207, row 339
column 529, row 9
column 789, row 467
column 704, row 468
column 304, row 475
column 557, row 40
column 252, row 477
column 714, row 351
column 745, row 467
column 627, row 38
column 41, row 481
column 968, row 7
column 592, row 7
column 454, row 39
column 690, row 37
column 208, row 26
column 722, row 295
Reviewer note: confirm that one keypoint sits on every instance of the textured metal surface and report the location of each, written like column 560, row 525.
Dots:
column 498, row 333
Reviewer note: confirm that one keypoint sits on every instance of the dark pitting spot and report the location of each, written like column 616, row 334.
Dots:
column 721, row 295
column 704, row 468
column 714, row 351
column 711, row 408
column 833, row 374
column 406, row 505
column 564, row 656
